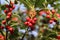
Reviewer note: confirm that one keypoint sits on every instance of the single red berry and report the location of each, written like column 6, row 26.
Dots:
column 10, row 9
column 30, row 20
column 35, row 19
column 11, row 30
column 53, row 11
column 9, row 14
column 27, row 18
column 4, row 22
column 13, row 7
column 5, row 11
column 48, row 12
column 30, row 24
column 2, row 37
column 48, row 16
column 58, row 37
column 41, row 12
column 26, row 23
column 51, row 21
column 7, row 17
column 33, row 22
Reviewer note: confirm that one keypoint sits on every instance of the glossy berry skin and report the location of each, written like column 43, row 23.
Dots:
column 53, row 11
column 30, row 20
column 48, row 12
column 7, row 17
column 33, row 22
column 13, row 7
column 10, row 9
column 10, row 28
column 35, row 19
column 5, row 11
column 4, row 22
column 30, row 24
column 9, row 14
column 51, row 21
column 26, row 23
column 58, row 37
column 48, row 16
column 27, row 18
column 2, row 37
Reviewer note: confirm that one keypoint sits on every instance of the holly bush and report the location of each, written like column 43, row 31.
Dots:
column 30, row 20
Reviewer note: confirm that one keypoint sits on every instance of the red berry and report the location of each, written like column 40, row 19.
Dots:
column 10, row 9
column 1, row 27
column 41, row 12
column 48, row 16
column 35, row 19
column 30, row 20
column 9, row 14
column 2, row 37
column 11, row 30
column 48, row 12
column 58, row 37
column 4, row 22
column 27, row 18
column 33, row 22
column 26, row 23
column 53, row 11
column 13, row 7
column 7, row 17
column 5, row 11
column 51, row 21
column 30, row 25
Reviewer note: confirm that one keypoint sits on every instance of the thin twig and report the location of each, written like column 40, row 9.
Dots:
column 24, row 34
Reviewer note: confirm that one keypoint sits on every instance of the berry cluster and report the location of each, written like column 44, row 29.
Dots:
column 8, row 13
column 9, row 10
column 10, row 29
column 50, row 14
column 30, row 22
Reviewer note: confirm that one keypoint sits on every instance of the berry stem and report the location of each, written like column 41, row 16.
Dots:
column 2, row 33
column 24, row 34
column 6, row 34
